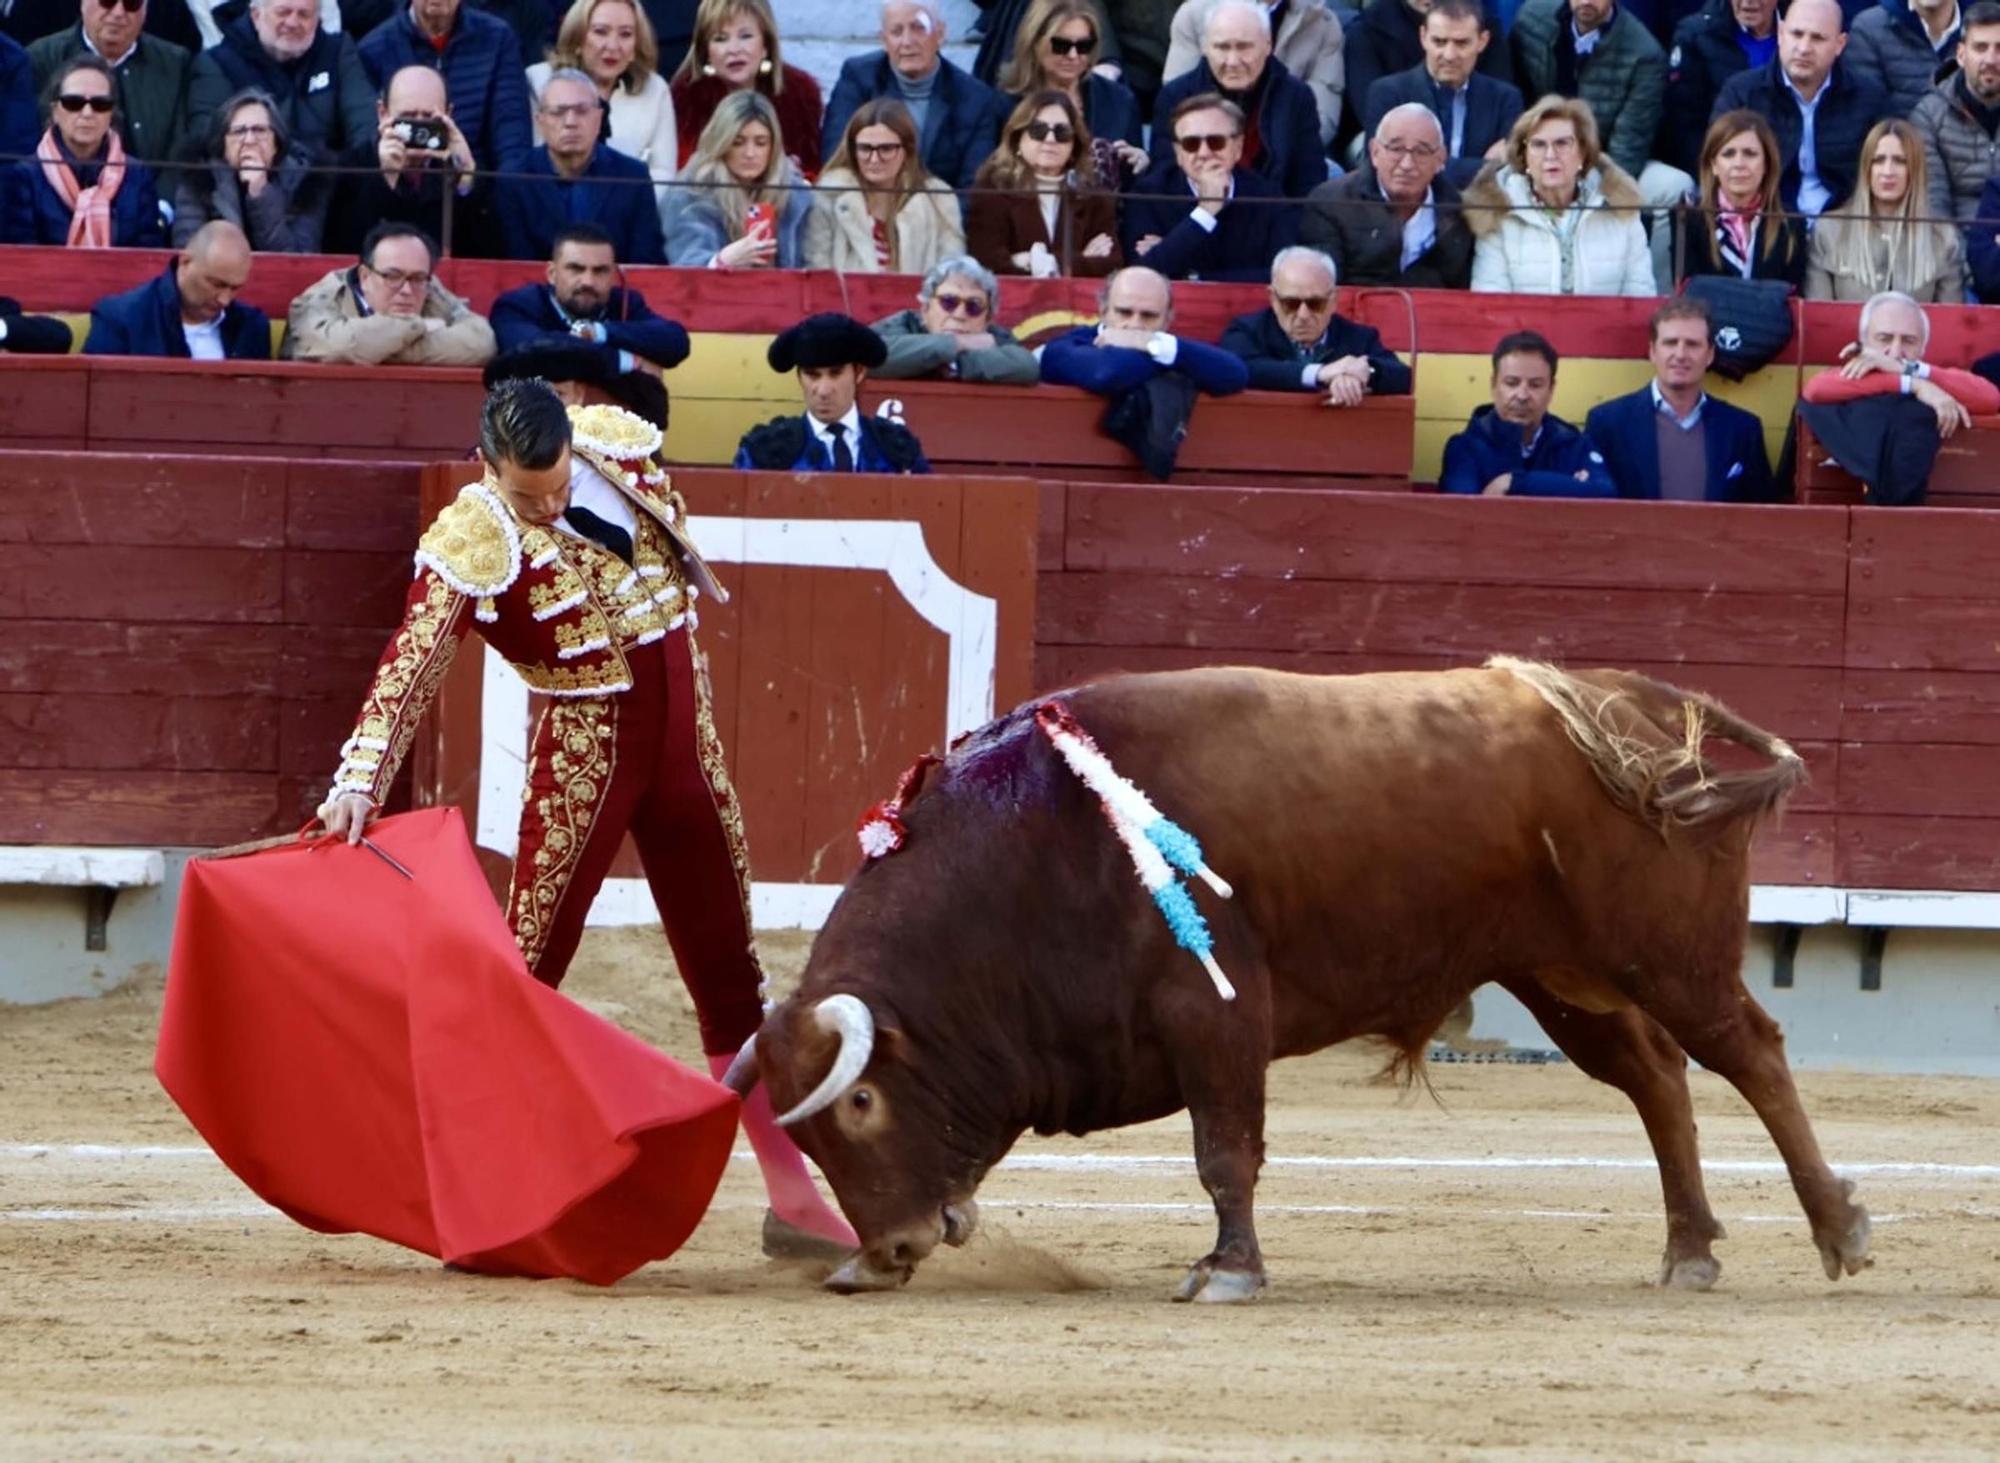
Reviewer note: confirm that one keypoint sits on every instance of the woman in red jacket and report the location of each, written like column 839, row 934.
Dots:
column 735, row 48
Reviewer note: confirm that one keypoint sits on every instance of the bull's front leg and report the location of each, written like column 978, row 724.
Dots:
column 1226, row 1101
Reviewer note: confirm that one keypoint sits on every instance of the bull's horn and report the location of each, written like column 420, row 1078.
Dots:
column 849, row 1018
column 741, row 1074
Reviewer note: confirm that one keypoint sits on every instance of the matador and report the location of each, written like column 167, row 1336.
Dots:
column 572, row 559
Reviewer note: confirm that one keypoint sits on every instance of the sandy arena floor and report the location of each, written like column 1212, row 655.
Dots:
column 1418, row 1309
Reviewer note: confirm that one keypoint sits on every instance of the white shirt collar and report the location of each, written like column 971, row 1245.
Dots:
column 91, row 47
column 1686, row 423
column 851, row 424
column 1818, row 97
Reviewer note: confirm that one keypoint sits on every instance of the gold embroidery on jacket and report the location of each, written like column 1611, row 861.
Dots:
column 405, row 684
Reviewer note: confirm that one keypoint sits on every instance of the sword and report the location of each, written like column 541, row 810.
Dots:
column 375, row 848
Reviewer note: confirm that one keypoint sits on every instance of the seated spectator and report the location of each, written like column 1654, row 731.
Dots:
column 876, row 210
column 1879, row 240
column 1808, row 73
column 190, row 310
column 1059, row 43
column 740, row 204
column 575, row 178
column 735, row 48
column 422, row 174
column 1736, row 224
column 479, row 56
column 952, row 333
column 1710, row 46
column 1982, row 245
column 28, row 21
column 1671, row 439
column 957, row 117
column 611, row 42
column 255, row 181
column 1387, row 37
column 79, row 188
column 1308, row 43
column 1397, row 221
column 1298, row 343
column 583, row 300
column 1559, row 218
column 324, row 96
column 832, row 355
column 387, row 310
column 1206, row 216
column 1278, row 136
column 1959, row 120
column 1037, row 208
column 151, row 76
column 1474, row 112
column 1910, row 46
column 1516, row 446
column 1151, row 375
column 22, row 334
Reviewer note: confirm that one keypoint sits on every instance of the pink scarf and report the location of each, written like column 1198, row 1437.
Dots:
column 89, row 208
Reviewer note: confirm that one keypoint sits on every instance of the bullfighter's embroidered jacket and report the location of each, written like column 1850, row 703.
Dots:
column 563, row 611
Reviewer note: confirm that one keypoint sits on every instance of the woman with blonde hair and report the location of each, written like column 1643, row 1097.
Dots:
column 1558, row 217
column 877, row 209
column 739, row 204
column 612, row 42
column 1735, row 223
column 735, row 48
column 1056, row 49
column 1879, row 239
column 1036, row 207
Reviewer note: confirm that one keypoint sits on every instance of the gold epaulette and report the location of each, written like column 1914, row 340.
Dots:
column 610, row 433
column 474, row 547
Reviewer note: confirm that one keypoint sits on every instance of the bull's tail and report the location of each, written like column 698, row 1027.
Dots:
column 1644, row 742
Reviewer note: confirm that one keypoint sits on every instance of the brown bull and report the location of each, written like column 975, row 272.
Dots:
column 1394, row 841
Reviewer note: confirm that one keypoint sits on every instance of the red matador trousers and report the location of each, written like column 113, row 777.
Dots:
column 646, row 762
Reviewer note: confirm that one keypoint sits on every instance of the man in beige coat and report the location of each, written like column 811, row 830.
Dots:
column 388, row 310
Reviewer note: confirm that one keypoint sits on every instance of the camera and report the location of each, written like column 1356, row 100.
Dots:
column 425, row 134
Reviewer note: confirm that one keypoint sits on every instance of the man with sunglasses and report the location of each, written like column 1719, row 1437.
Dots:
column 1298, row 343
column 388, row 310
column 1204, row 215
column 150, row 74
column 952, row 333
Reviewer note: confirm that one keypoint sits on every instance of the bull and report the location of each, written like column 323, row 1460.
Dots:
column 1394, row 842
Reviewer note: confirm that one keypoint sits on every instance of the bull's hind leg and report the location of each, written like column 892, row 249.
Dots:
column 1722, row 1027
column 1628, row 1050
column 1221, row 1078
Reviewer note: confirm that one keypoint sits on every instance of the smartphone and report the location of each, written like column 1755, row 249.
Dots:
column 759, row 220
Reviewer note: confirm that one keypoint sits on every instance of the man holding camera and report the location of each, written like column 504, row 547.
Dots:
column 424, row 169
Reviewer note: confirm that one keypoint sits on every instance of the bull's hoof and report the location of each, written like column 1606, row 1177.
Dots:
column 857, row 1277
column 1846, row 1253
column 784, row 1240
column 1207, row 1285
column 1695, row 1272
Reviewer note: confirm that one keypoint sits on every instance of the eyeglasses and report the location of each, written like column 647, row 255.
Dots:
column 71, row 101
column 1064, row 46
column 877, row 149
column 1292, row 304
column 1402, row 152
column 1564, row 143
column 132, row 6
column 243, row 131
column 1215, row 142
column 1051, row 131
column 571, row 113
column 397, row 279
column 971, row 306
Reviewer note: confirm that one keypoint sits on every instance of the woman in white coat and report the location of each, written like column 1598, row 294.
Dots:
column 877, row 209
column 1558, row 217
column 612, row 42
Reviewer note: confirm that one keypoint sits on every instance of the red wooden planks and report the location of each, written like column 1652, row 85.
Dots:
column 137, row 731
column 1917, row 852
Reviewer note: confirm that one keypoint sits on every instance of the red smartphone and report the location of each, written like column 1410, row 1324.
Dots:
column 759, row 220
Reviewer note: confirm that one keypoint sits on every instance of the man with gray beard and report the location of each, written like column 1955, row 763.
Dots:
column 323, row 93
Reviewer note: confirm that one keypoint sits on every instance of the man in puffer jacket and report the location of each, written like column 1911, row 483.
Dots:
column 1709, row 47
column 1907, row 45
column 480, row 59
column 1959, row 119
column 1514, row 446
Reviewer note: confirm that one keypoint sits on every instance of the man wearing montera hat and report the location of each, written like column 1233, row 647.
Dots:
column 572, row 559
column 833, row 355
column 582, row 375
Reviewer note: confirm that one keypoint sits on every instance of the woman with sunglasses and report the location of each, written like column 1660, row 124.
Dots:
column 1036, row 208
column 878, row 210
column 254, row 180
column 79, row 188
column 1056, row 49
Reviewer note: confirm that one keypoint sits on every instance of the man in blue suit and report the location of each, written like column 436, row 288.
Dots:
column 832, row 355
column 1516, row 447
column 581, row 301
column 1671, row 439
column 958, row 116
column 190, row 310
column 575, row 178
column 1299, row 342
column 1205, row 216
column 1475, row 111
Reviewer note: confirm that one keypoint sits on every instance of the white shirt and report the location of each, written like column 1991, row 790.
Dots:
column 589, row 491
column 851, row 427
column 1686, row 423
column 204, row 341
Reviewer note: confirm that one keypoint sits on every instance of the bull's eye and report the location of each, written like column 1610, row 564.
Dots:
column 861, row 1099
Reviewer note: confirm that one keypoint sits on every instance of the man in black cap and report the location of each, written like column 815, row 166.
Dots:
column 582, row 375
column 833, row 355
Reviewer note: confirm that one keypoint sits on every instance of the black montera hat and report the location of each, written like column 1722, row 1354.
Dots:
column 832, row 339
column 554, row 358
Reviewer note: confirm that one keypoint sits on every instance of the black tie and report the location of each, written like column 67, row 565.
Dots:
column 843, row 459
column 605, row 535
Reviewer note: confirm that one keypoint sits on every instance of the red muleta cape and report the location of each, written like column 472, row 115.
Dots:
column 369, row 1053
